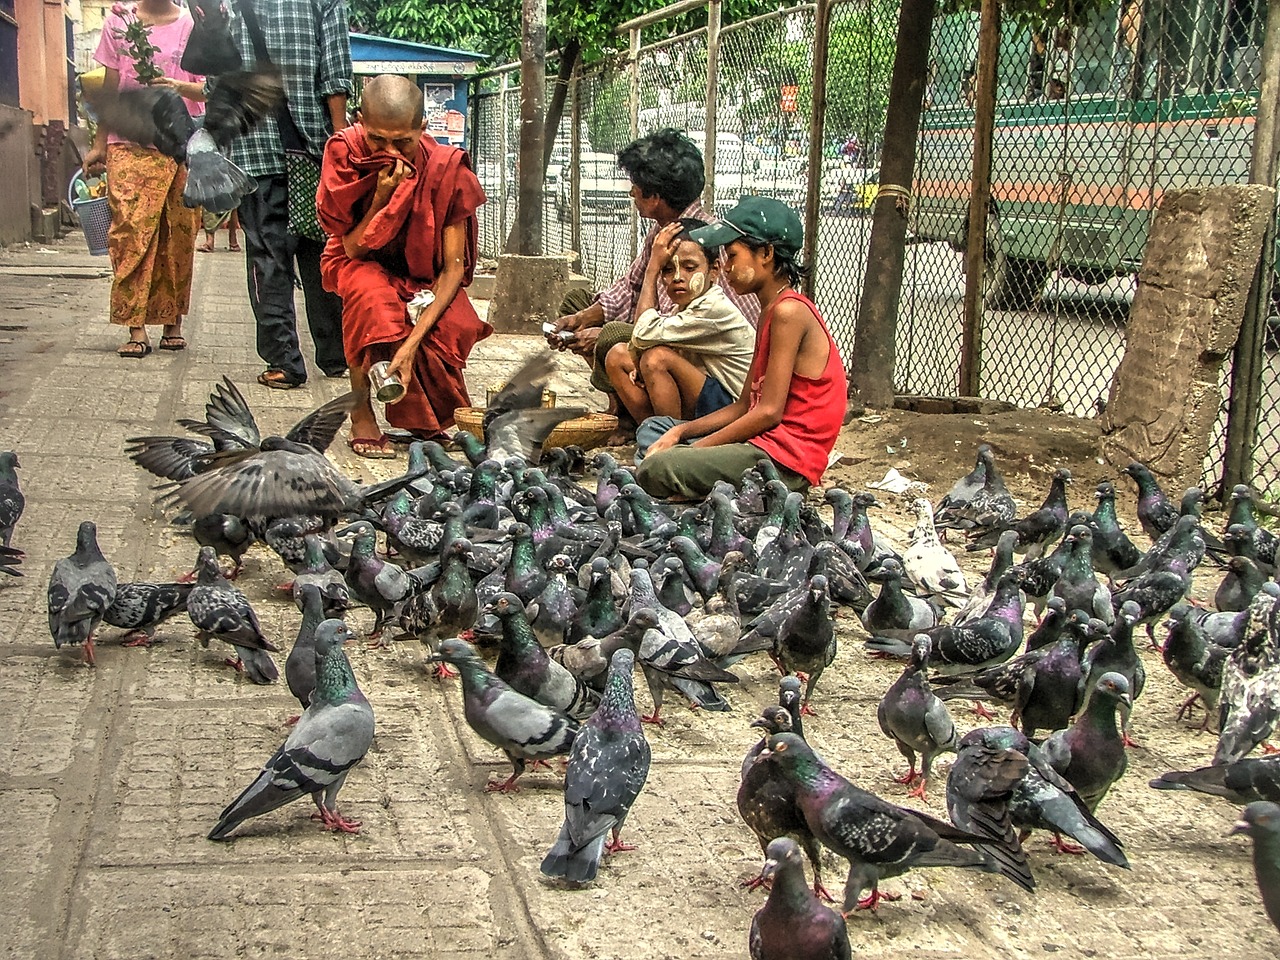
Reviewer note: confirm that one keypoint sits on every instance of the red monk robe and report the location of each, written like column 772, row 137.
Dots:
column 406, row 256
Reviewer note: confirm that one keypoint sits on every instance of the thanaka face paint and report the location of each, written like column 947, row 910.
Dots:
column 697, row 283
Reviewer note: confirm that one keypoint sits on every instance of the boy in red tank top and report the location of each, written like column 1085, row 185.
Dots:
column 791, row 408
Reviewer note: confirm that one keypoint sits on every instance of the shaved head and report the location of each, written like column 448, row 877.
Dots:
column 392, row 101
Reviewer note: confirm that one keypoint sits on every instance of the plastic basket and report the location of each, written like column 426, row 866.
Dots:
column 94, row 215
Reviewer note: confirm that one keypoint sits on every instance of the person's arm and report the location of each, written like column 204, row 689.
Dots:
column 389, row 178
column 447, row 285
column 664, row 245
column 333, row 68
column 95, row 161
column 187, row 89
column 791, row 320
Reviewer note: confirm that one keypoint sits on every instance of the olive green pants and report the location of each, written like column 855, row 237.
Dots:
column 688, row 473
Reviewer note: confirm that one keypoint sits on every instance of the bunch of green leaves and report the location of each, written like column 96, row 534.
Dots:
column 137, row 36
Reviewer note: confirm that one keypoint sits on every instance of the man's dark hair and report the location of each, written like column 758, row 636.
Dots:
column 688, row 224
column 665, row 164
column 790, row 270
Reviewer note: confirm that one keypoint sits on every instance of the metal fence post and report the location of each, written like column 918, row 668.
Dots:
column 633, row 64
column 713, row 104
column 979, row 198
column 1248, row 364
column 575, row 162
column 502, row 156
column 817, row 136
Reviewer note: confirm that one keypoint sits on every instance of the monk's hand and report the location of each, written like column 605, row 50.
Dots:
column 389, row 178
column 401, row 366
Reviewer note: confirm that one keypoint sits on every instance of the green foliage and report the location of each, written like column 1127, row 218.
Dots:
column 493, row 27
column 1034, row 13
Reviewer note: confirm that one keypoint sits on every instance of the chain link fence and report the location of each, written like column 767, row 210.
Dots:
column 1093, row 124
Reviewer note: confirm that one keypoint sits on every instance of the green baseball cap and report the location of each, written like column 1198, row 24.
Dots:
column 759, row 218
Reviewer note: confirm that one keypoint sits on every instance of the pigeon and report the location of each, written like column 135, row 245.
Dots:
column 801, row 632
column 300, row 666
column 767, row 799
column 11, row 499
column 1261, row 821
column 1262, row 543
column 1114, row 653
column 81, row 589
column 607, row 769
column 981, row 595
column 515, row 423
column 893, row 608
column 1090, row 754
column 1249, row 704
column 979, row 500
column 1077, row 585
column 1113, row 551
column 525, row 665
column 588, row 660
column 980, row 787
column 155, row 116
column 1241, row 781
column 1156, row 512
column 1195, row 659
column 141, row 607
column 916, row 720
column 520, row 727
column 381, row 586
column 332, row 736
column 794, row 924
column 210, row 49
column 1043, row 800
column 878, row 839
column 1239, row 586
column 1038, row 530
column 319, row 573
column 220, row 610
column 930, row 566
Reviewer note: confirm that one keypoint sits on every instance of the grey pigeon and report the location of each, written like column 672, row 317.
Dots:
column 1196, row 659
column 980, row 788
column 915, row 720
column 1090, row 754
column 1078, row 586
column 1239, row 586
column 81, row 589
column 1038, row 530
column 10, row 558
column 1249, row 707
column 1044, row 800
column 801, row 632
column 220, row 610
column 141, row 607
column 525, row 665
column 588, row 659
column 332, row 736
column 381, row 586
column 878, row 839
column 894, row 608
column 520, row 727
column 979, row 500
column 1261, row 821
column 985, row 590
column 1113, row 551
column 11, row 499
column 794, row 924
column 1114, row 653
column 515, row 423
column 1156, row 512
column 1241, row 781
column 607, row 769
column 300, row 666
column 317, row 571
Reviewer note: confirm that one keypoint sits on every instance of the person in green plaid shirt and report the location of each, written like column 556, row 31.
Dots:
column 309, row 41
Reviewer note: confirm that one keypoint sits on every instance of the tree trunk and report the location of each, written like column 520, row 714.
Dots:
column 871, row 370
column 533, row 82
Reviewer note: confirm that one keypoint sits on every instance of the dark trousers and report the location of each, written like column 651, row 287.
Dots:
column 270, row 252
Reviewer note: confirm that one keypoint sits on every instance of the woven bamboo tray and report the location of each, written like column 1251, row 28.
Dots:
column 587, row 432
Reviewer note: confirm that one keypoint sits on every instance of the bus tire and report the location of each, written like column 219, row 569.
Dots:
column 1021, row 282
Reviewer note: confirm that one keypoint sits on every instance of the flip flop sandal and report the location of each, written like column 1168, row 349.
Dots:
column 134, row 350
column 173, row 343
column 234, row 248
column 372, row 448
column 278, row 380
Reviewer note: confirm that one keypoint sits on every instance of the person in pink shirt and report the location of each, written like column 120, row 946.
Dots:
column 152, row 236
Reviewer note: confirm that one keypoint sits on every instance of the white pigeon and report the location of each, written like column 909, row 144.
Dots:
column 930, row 566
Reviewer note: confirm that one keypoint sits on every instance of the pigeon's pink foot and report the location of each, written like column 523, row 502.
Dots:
column 807, row 711
column 442, row 671
column 92, row 661
column 1128, row 741
column 186, row 578
column 289, row 722
column 653, row 718
column 137, row 638
column 821, row 892
column 756, row 882
column 237, row 664
column 1187, row 706
column 508, row 785
column 981, row 712
column 907, row 778
column 872, row 900
column 286, row 587
column 919, row 790
column 333, row 820
column 1063, row 847
column 617, row 846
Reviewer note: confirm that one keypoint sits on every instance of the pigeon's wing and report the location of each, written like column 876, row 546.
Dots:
column 228, row 411
column 603, row 779
column 152, row 116
column 210, row 49
column 237, row 101
column 319, row 427
column 273, row 483
column 173, row 458
column 524, row 390
column 521, row 433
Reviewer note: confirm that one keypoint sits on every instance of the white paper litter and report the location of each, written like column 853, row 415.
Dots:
column 894, row 482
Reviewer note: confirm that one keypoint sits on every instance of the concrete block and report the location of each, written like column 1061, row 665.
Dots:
column 1200, row 259
column 527, row 291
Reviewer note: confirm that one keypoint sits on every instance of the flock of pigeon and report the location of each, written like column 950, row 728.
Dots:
column 505, row 551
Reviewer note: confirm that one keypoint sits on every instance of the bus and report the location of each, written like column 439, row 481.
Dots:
column 1093, row 124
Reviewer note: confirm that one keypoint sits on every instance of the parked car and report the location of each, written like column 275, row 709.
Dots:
column 850, row 190
column 603, row 188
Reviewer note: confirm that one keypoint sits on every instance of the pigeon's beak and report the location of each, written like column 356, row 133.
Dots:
column 1240, row 826
column 770, row 868
column 759, row 722
column 764, row 754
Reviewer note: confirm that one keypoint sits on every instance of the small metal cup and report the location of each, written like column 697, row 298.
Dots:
column 387, row 388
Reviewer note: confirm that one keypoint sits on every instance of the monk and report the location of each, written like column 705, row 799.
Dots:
column 400, row 212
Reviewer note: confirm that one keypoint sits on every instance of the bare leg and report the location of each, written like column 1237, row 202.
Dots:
column 363, row 422
column 620, row 368
column 672, row 381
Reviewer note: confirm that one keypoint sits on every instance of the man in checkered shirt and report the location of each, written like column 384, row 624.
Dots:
column 309, row 41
